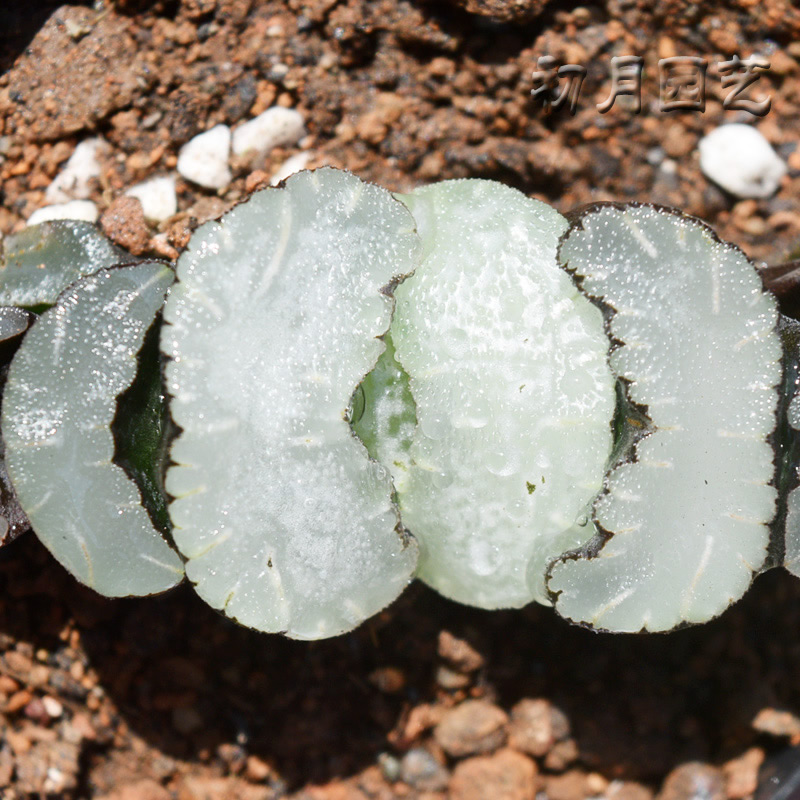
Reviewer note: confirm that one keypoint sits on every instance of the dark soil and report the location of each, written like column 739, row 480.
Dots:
column 161, row 698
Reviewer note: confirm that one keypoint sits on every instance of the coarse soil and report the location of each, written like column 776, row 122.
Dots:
column 160, row 698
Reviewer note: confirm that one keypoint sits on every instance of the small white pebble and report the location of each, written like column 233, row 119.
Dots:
column 157, row 196
column 668, row 166
column 74, row 180
column 292, row 164
column 84, row 210
column 53, row 708
column 741, row 161
column 204, row 159
column 276, row 127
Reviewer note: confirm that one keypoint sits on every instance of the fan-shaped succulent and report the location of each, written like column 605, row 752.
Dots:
column 354, row 389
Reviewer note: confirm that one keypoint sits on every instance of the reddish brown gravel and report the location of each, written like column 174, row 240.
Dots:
column 162, row 699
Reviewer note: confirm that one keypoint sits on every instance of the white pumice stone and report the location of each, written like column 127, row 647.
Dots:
column 59, row 402
column 204, row 159
column 275, row 127
column 40, row 261
column 82, row 210
column 292, row 164
column 514, row 397
column 157, row 196
column 286, row 523
column 74, row 182
column 688, row 517
column 738, row 158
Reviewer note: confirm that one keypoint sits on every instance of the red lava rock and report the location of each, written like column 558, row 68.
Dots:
column 36, row 711
column 374, row 783
column 777, row 723
column 124, row 224
column 536, row 725
column 474, row 726
column 6, row 767
column 459, row 654
column 49, row 768
column 258, row 179
column 678, row 141
column 627, row 790
column 503, row 10
column 420, row 769
column 561, row 755
column 389, row 680
column 451, row 680
column 146, row 789
column 572, row 785
column 208, row 788
column 179, row 233
column 233, row 757
column 256, row 770
column 596, row 784
column 694, row 781
column 82, row 726
column 374, row 125
column 68, row 81
column 506, row 775
column 18, row 664
column 18, row 701
column 208, row 208
column 336, row 790
column 420, row 719
column 741, row 774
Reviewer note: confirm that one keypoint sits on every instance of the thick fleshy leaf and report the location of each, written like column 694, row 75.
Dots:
column 698, row 349
column 286, row 523
column 39, row 262
column 142, row 430
column 13, row 324
column 514, row 398
column 384, row 414
column 59, row 403
column 790, row 444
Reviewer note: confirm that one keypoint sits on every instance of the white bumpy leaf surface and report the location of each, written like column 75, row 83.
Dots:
column 690, row 515
column 13, row 322
column 69, row 250
column 286, row 523
column 58, row 406
column 792, row 554
column 507, row 363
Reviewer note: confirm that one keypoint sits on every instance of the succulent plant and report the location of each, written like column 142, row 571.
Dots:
column 507, row 368
column 58, row 406
column 457, row 384
column 286, row 523
column 684, row 519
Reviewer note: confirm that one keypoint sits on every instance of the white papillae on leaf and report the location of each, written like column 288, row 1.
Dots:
column 287, row 524
column 514, row 397
column 792, row 538
column 59, row 403
column 690, row 516
column 13, row 322
column 69, row 250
